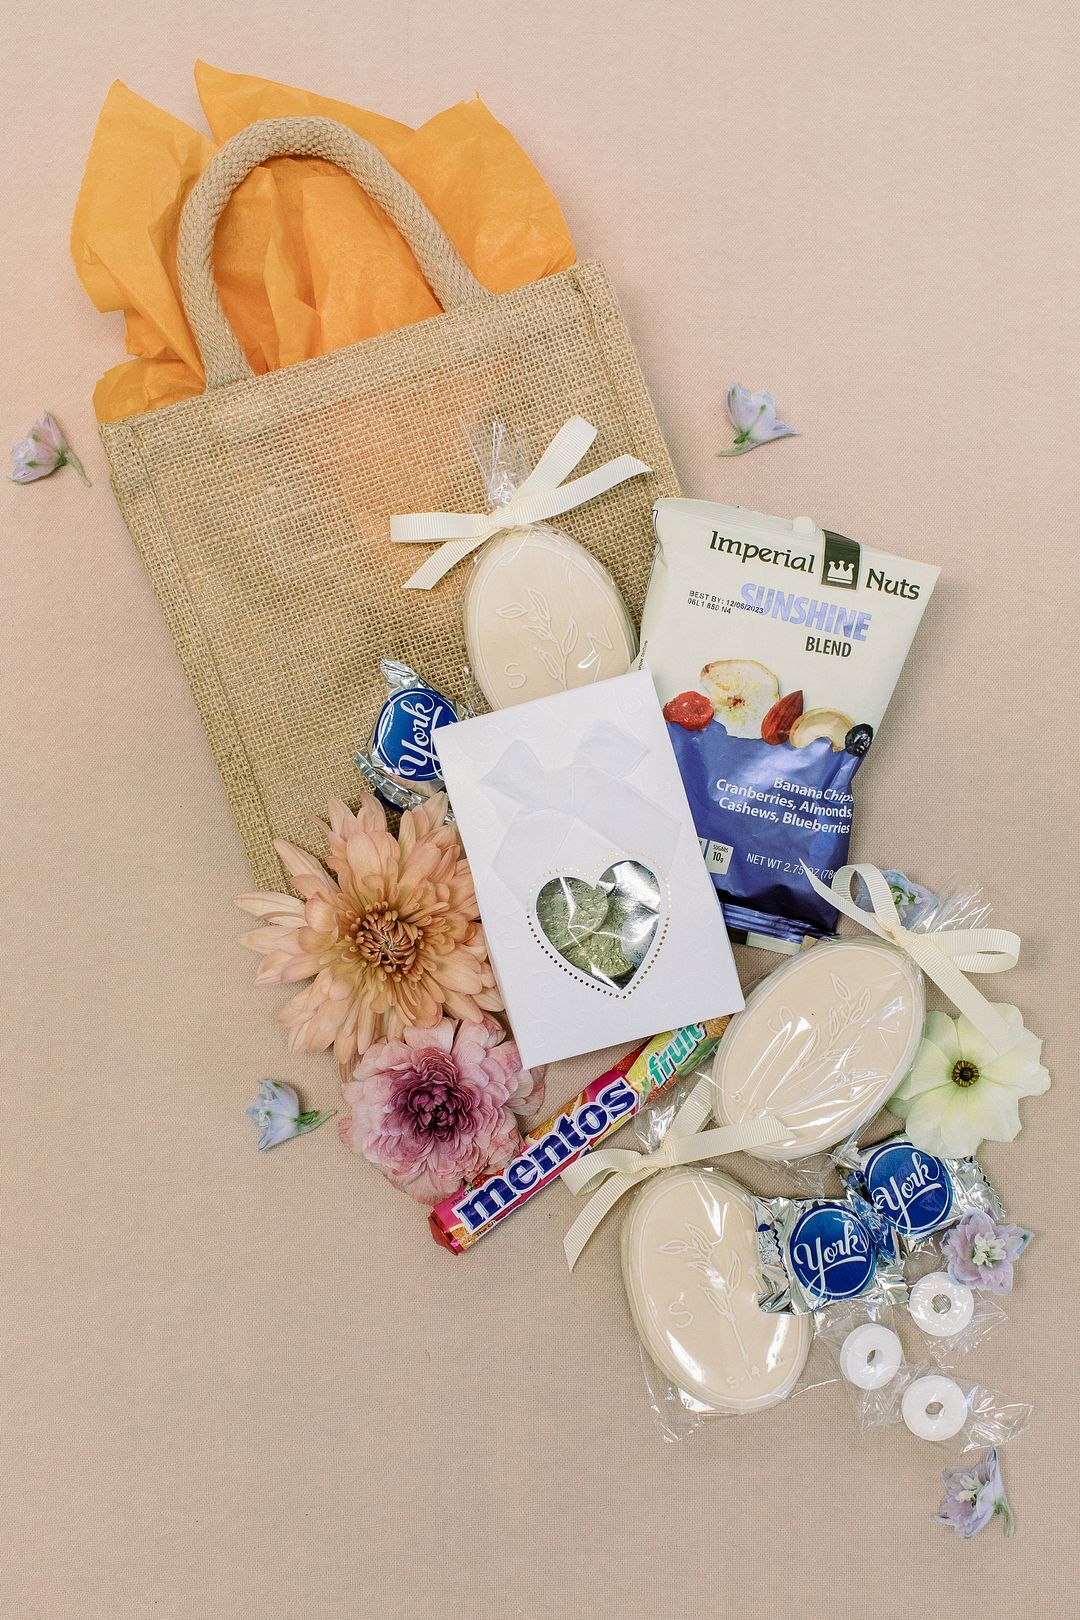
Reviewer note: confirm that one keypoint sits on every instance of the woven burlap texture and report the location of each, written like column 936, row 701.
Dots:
column 262, row 508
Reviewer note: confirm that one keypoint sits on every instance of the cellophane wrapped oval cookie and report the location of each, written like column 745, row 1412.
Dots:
column 821, row 1045
column 541, row 614
column 690, row 1266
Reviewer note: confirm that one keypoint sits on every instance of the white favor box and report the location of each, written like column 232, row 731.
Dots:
column 602, row 922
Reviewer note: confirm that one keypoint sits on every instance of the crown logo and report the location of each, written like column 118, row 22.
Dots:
column 841, row 562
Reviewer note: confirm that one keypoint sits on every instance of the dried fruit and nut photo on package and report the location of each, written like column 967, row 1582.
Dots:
column 736, row 691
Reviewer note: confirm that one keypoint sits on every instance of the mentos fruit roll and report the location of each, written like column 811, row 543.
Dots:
column 582, row 1122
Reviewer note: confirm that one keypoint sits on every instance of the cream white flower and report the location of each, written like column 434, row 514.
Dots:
column 959, row 1092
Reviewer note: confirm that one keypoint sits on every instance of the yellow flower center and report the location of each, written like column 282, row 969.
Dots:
column 386, row 940
column 964, row 1073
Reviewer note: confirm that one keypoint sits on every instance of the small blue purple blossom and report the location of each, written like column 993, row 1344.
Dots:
column 42, row 451
column 911, row 900
column 980, row 1252
column 754, row 418
column 279, row 1116
column 973, row 1496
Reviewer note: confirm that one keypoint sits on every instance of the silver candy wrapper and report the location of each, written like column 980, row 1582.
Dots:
column 400, row 761
column 914, row 1192
column 815, row 1252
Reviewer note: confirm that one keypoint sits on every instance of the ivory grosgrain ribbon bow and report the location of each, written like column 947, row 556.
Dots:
column 608, row 1173
column 544, row 494
column 944, row 956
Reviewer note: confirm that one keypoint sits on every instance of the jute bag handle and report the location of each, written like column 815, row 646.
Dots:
column 224, row 362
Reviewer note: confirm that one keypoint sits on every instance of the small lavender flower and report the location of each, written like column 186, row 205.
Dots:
column 980, row 1252
column 42, row 451
column 753, row 416
column 911, row 900
column 973, row 1496
column 278, row 1116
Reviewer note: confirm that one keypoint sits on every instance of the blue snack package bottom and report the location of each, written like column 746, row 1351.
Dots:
column 761, row 826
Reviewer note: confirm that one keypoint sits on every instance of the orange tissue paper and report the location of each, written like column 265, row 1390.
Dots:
column 305, row 261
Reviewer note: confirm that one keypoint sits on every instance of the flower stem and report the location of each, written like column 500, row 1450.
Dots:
column 744, row 433
column 68, row 458
column 312, row 1118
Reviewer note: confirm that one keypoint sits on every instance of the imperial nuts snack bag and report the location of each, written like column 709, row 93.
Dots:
column 775, row 647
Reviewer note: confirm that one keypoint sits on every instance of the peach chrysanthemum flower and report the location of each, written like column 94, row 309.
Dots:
column 392, row 945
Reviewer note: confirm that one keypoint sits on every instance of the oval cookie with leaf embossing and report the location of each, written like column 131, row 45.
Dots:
column 543, row 616
column 821, row 1044
column 690, row 1265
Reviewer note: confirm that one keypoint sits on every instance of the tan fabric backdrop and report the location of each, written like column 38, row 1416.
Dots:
column 244, row 1388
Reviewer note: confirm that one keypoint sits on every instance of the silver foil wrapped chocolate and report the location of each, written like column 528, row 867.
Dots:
column 400, row 763
column 914, row 1192
column 815, row 1252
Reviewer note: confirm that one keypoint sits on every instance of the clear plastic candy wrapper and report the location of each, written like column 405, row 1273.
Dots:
column 862, row 1339
column 956, row 905
column 541, row 614
column 953, row 1412
column 884, row 1388
column 950, row 1319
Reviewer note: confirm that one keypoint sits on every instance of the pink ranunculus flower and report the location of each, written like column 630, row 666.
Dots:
column 436, row 1107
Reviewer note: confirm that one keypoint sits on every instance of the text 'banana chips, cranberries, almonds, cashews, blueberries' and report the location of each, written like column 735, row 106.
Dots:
column 775, row 647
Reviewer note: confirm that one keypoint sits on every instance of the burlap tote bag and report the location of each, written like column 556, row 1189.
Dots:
column 261, row 508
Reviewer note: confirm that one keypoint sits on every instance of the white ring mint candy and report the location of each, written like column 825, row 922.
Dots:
column 934, row 1407
column 940, row 1306
column 870, row 1356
